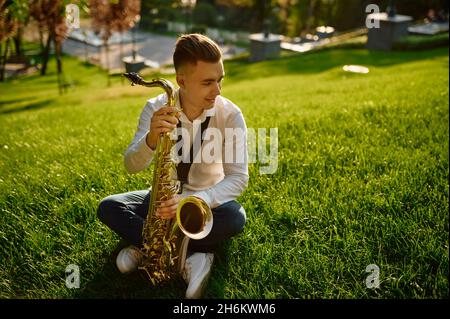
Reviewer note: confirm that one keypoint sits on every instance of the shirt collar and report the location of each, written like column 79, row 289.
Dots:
column 206, row 113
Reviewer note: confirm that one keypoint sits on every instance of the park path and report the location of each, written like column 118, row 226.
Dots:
column 156, row 49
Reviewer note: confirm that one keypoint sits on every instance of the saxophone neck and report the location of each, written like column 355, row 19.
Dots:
column 166, row 85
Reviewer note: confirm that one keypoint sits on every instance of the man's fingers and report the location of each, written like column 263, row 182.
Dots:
column 159, row 127
column 161, row 130
column 170, row 202
column 163, row 123
column 165, row 209
column 166, row 110
column 167, row 118
column 166, row 212
column 168, row 208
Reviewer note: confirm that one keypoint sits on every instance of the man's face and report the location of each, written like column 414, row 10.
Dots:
column 201, row 83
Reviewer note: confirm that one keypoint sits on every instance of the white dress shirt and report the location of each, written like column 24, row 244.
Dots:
column 218, row 181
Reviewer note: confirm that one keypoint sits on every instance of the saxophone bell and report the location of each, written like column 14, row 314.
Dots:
column 194, row 217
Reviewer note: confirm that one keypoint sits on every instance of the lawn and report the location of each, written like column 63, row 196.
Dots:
column 362, row 179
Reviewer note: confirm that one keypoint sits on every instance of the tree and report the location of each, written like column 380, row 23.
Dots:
column 50, row 16
column 125, row 15
column 38, row 15
column 20, row 12
column 8, row 27
column 262, row 10
column 156, row 13
column 110, row 16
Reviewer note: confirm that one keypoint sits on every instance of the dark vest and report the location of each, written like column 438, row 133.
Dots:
column 183, row 168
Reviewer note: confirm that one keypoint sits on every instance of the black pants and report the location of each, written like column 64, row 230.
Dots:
column 125, row 215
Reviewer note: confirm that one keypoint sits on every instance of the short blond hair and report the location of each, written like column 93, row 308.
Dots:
column 191, row 48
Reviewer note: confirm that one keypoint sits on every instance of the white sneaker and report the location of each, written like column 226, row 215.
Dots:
column 196, row 273
column 128, row 259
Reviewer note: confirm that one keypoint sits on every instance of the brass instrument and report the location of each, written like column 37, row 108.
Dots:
column 162, row 238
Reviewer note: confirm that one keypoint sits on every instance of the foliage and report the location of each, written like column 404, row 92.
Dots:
column 110, row 16
column 50, row 16
column 113, row 16
column 8, row 23
column 206, row 14
column 289, row 17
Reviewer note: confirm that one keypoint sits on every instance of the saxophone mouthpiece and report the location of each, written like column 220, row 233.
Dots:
column 133, row 77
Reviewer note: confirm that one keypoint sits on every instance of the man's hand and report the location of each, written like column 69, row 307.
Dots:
column 168, row 209
column 163, row 120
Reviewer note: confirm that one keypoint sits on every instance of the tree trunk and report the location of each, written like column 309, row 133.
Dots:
column 310, row 17
column 262, row 9
column 58, row 57
column 61, row 84
column 45, row 55
column 86, row 55
column 316, row 11
column 18, row 42
column 3, row 62
column 107, row 62
column 121, row 54
column 41, row 40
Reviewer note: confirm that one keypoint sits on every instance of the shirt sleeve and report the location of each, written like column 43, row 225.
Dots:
column 139, row 155
column 236, row 172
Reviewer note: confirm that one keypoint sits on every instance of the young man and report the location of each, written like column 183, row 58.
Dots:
column 199, row 75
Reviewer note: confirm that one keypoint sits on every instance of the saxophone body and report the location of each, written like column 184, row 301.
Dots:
column 162, row 238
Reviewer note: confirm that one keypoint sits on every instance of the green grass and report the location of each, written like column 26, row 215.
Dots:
column 362, row 179
column 421, row 42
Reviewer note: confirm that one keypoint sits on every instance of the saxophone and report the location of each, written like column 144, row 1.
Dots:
column 162, row 238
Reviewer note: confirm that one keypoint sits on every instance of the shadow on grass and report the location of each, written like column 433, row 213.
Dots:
column 316, row 62
column 109, row 283
column 4, row 103
column 219, row 274
column 27, row 107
